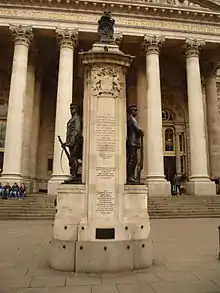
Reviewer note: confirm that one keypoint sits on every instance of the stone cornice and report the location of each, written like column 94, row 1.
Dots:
column 137, row 8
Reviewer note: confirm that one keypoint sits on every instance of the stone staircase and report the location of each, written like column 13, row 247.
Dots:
column 184, row 207
column 40, row 206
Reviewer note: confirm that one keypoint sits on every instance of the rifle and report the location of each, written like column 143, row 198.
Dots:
column 64, row 147
column 141, row 161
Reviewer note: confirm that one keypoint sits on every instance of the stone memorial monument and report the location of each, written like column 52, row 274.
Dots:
column 102, row 225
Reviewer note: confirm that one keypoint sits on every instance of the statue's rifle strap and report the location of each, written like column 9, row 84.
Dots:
column 64, row 147
column 63, row 150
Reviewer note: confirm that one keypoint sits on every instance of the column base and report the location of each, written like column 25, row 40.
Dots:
column 202, row 188
column 100, row 256
column 158, row 188
column 35, row 185
column 11, row 179
column 28, row 183
column 54, row 183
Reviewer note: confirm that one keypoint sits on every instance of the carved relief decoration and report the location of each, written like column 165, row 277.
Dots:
column 173, row 103
column 21, row 34
column 66, row 37
column 106, row 81
column 193, row 47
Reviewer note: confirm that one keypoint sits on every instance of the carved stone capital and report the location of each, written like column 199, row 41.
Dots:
column 67, row 38
column 21, row 34
column 193, row 47
column 152, row 44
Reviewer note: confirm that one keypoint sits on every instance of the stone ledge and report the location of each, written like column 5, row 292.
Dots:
column 104, row 256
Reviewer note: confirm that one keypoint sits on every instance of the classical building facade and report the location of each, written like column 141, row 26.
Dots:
column 173, row 80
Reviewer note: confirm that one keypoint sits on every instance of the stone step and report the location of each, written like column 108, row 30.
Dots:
column 41, row 206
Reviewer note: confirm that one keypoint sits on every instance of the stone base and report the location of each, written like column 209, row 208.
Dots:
column 100, row 256
column 158, row 188
column 201, row 188
column 11, row 179
column 75, row 247
column 54, row 183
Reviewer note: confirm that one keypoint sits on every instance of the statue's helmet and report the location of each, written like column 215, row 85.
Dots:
column 72, row 105
column 131, row 108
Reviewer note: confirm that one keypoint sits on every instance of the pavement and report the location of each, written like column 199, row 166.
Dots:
column 185, row 256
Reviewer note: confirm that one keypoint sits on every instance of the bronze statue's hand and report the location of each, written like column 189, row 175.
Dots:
column 142, row 133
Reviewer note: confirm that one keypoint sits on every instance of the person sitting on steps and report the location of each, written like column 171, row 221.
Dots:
column 14, row 193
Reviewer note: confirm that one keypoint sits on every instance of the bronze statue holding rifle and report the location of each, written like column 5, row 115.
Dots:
column 134, row 142
column 74, row 144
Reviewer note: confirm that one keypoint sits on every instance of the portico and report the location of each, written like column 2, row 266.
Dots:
column 165, row 81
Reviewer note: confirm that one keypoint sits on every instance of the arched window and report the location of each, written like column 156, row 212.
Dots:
column 167, row 115
column 169, row 140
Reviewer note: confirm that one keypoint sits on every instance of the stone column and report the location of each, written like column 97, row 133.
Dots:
column 12, row 167
column 142, row 109
column 35, row 135
column 28, row 117
column 157, row 185
column 199, row 183
column 213, row 119
column 67, row 40
column 178, row 156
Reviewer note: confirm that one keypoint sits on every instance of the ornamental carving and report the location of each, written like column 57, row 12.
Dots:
column 66, row 37
column 193, row 47
column 21, row 34
column 106, row 82
column 152, row 44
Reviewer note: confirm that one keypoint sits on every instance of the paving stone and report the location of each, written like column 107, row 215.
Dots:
column 105, row 289
column 124, row 278
column 177, row 276
column 183, row 287
column 147, row 277
column 136, row 288
column 15, row 281
column 75, row 289
column 80, row 280
column 47, row 281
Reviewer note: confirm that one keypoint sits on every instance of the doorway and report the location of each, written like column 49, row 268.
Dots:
column 169, row 167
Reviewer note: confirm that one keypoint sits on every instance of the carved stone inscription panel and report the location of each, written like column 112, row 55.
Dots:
column 106, row 149
column 105, row 136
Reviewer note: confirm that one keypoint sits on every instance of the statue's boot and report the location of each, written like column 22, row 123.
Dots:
column 132, row 180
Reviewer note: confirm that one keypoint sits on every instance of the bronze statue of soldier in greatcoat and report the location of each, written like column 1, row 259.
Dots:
column 134, row 142
column 74, row 142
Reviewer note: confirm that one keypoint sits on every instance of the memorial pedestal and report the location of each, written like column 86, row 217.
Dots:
column 72, row 251
column 102, row 225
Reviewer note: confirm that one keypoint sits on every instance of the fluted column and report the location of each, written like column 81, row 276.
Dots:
column 67, row 41
column 199, row 181
column 12, row 167
column 178, row 155
column 35, row 134
column 28, row 117
column 157, row 184
column 142, row 108
column 213, row 118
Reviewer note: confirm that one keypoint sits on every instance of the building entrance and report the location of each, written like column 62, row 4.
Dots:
column 169, row 167
column 174, row 146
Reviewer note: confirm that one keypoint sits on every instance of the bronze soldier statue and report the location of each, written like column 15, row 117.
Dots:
column 74, row 142
column 134, row 138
